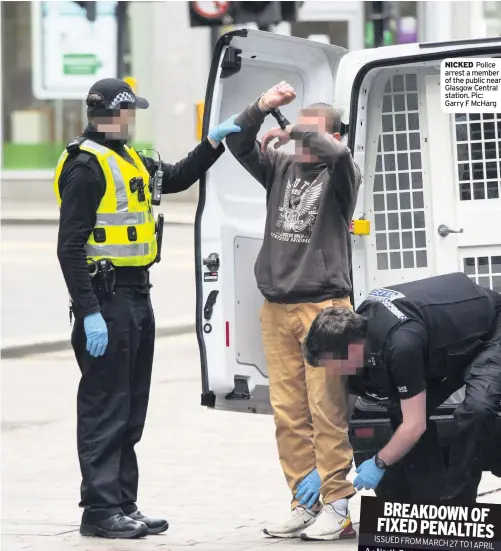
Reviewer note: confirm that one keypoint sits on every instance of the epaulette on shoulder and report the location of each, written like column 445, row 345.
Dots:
column 74, row 146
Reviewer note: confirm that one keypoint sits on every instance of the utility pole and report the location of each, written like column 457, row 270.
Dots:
column 214, row 37
column 378, row 20
column 121, row 14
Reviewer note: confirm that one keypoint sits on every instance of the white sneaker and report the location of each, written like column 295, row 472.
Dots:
column 293, row 525
column 330, row 525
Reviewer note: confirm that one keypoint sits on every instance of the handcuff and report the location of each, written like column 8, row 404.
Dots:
column 277, row 115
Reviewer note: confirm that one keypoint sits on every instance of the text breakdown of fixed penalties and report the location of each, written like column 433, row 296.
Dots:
column 471, row 85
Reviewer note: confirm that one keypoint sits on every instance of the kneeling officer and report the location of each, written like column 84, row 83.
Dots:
column 107, row 242
column 413, row 345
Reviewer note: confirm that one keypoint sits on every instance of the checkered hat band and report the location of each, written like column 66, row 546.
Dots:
column 123, row 96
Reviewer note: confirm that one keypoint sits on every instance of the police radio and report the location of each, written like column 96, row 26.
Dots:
column 156, row 181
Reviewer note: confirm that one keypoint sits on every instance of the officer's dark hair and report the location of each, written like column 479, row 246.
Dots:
column 95, row 106
column 331, row 114
column 332, row 331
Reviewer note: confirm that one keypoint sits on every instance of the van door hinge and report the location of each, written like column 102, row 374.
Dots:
column 232, row 62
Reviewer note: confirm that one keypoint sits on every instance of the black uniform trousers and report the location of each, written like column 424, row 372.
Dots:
column 422, row 474
column 112, row 402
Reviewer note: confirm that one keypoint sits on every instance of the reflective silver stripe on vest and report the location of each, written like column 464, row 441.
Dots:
column 95, row 147
column 118, row 251
column 120, row 219
column 122, row 202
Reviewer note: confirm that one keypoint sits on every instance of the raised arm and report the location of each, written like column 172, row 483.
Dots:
column 244, row 146
column 183, row 174
column 345, row 175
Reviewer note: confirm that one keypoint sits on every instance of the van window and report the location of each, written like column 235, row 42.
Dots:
column 484, row 270
column 478, row 150
column 398, row 196
column 478, row 155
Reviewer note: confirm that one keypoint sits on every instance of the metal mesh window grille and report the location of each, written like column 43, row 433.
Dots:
column 484, row 270
column 399, row 215
column 478, row 150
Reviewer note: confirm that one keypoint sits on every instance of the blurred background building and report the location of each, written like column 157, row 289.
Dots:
column 171, row 61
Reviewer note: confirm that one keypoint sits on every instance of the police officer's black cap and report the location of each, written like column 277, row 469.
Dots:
column 112, row 93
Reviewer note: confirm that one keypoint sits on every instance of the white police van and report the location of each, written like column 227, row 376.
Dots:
column 429, row 201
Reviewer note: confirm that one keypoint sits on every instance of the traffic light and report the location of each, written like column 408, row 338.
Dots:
column 234, row 13
column 261, row 13
column 289, row 10
column 381, row 32
column 90, row 9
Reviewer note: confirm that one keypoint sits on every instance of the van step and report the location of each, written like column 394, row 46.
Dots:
column 240, row 392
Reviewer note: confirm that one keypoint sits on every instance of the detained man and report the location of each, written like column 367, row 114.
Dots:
column 302, row 268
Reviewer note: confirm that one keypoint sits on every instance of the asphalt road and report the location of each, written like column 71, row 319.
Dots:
column 34, row 299
column 215, row 475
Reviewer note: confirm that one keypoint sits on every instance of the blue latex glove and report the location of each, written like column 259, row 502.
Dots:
column 96, row 333
column 309, row 489
column 369, row 475
column 219, row 132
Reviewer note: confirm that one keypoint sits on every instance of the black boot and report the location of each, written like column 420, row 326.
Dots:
column 115, row 527
column 155, row 525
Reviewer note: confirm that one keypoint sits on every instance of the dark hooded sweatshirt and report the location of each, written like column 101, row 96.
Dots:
column 306, row 251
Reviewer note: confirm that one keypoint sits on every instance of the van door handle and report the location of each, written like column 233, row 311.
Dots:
column 444, row 230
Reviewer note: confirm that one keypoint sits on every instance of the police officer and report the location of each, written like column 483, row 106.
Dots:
column 107, row 242
column 413, row 345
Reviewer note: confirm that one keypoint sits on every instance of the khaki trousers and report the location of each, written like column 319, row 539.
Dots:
column 309, row 406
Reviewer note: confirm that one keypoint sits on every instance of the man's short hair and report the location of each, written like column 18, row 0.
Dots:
column 332, row 331
column 331, row 114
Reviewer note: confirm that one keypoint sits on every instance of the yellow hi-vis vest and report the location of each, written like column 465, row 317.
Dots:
column 126, row 224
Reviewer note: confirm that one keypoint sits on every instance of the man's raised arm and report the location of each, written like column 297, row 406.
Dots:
column 244, row 145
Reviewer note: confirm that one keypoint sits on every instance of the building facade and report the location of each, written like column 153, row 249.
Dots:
column 171, row 63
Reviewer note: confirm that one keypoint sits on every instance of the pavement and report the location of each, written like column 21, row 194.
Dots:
column 215, row 475
column 34, row 298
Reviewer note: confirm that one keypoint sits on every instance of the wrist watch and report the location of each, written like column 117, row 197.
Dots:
column 380, row 464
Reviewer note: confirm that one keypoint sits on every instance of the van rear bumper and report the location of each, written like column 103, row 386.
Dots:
column 368, row 434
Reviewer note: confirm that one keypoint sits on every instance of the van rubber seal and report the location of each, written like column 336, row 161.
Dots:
column 208, row 398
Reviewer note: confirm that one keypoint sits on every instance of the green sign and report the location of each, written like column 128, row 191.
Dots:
column 80, row 64
column 388, row 38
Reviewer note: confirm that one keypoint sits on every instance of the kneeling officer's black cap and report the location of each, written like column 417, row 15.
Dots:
column 113, row 92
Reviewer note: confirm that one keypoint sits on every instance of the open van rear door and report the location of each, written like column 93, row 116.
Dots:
column 231, row 211
column 421, row 170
